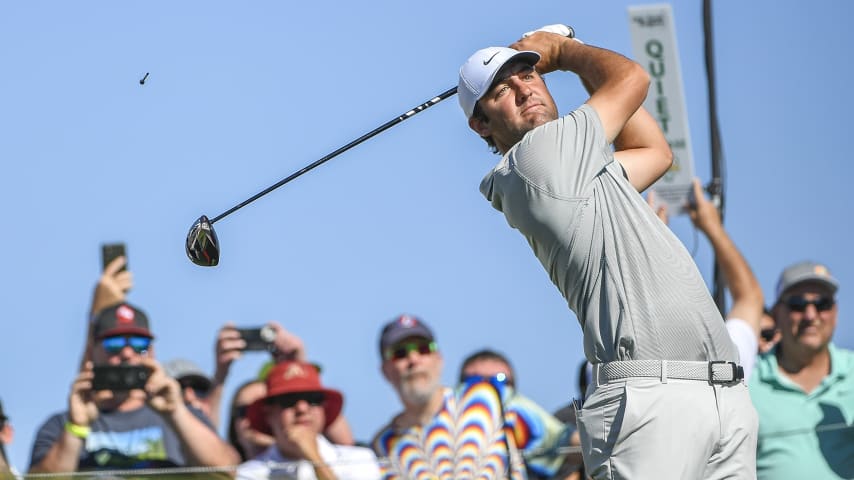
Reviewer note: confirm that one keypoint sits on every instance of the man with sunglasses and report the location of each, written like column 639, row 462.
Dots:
column 420, row 440
column 295, row 411
column 126, row 428
column 803, row 389
column 538, row 434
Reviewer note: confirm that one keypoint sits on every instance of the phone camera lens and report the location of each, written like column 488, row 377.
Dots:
column 268, row 334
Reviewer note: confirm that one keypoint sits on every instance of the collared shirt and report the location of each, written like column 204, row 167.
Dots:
column 805, row 435
column 348, row 463
column 624, row 273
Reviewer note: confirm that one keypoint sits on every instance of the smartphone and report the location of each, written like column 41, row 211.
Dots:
column 119, row 378
column 109, row 252
column 257, row 339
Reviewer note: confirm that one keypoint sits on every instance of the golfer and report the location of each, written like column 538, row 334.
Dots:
column 668, row 400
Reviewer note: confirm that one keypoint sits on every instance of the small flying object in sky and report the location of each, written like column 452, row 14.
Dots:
column 143, row 79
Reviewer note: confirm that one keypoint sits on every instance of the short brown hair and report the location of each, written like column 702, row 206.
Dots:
column 478, row 114
column 487, row 354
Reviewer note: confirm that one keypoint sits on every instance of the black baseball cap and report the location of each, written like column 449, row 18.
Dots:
column 121, row 319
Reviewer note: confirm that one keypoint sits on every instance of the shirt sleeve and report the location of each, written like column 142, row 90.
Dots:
column 47, row 435
column 746, row 342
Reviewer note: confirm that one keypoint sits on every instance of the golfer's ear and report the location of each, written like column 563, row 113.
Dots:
column 480, row 126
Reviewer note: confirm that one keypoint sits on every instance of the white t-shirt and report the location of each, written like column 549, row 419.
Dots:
column 745, row 341
column 348, row 463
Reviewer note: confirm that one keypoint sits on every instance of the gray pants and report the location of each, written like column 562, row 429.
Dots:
column 641, row 428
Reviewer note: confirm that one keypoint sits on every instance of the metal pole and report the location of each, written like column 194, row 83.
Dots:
column 716, row 186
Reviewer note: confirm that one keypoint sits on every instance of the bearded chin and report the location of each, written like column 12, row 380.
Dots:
column 418, row 394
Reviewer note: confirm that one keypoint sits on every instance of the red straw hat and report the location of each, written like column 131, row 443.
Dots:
column 293, row 377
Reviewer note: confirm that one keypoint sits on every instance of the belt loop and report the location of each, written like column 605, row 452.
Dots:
column 596, row 374
column 664, row 371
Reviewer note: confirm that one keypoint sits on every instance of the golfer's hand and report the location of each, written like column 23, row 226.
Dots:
column 549, row 42
column 548, row 45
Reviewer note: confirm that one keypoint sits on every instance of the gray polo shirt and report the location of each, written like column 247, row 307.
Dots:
column 632, row 284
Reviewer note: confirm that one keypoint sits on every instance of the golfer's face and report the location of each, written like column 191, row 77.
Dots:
column 518, row 102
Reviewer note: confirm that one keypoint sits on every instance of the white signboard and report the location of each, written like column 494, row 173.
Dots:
column 654, row 44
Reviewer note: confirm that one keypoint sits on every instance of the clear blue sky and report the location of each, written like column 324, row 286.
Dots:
column 240, row 94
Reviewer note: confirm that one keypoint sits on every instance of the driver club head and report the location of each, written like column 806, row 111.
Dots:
column 202, row 245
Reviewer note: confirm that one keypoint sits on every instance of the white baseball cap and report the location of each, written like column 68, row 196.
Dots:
column 478, row 73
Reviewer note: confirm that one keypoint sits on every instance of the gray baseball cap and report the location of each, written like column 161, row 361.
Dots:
column 806, row 271
column 182, row 369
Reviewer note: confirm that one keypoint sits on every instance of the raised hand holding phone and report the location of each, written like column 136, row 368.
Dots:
column 113, row 284
column 111, row 251
column 115, row 281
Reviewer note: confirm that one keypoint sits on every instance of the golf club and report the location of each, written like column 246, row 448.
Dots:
column 202, row 245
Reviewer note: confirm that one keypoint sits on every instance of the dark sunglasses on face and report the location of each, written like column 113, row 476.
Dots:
column 402, row 350
column 114, row 345
column 199, row 389
column 290, row 400
column 800, row 304
column 767, row 334
column 240, row 411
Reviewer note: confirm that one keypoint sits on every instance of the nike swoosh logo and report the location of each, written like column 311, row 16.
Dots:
column 486, row 62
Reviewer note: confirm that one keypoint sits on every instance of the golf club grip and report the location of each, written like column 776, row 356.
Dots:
column 420, row 108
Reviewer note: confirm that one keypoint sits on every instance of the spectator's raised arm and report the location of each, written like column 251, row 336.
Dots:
column 747, row 300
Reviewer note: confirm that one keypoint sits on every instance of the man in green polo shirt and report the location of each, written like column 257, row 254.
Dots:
column 803, row 389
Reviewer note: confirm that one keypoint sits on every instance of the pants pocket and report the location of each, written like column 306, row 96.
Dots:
column 599, row 423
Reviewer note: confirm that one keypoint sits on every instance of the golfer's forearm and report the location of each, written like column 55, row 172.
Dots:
column 598, row 66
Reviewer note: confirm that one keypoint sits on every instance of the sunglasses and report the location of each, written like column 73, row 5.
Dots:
column 403, row 350
column 240, row 411
column 800, row 304
column 290, row 400
column 114, row 345
column 200, row 389
column 767, row 334
column 497, row 379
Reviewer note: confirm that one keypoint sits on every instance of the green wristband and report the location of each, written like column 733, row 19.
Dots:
column 78, row 431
